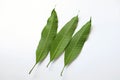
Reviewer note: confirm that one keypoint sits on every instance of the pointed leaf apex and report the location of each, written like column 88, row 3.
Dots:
column 90, row 19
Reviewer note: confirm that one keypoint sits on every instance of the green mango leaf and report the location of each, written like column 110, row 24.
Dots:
column 48, row 34
column 62, row 39
column 76, row 44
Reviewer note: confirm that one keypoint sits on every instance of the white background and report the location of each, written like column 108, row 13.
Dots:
column 21, row 23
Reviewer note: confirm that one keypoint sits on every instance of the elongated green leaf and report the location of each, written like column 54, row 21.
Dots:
column 62, row 39
column 48, row 34
column 76, row 44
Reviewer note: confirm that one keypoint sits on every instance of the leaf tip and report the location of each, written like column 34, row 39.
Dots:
column 54, row 7
column 90, row 19
column 54, row 11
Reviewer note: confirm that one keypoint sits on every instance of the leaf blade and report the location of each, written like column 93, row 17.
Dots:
column 76, row 44
column 63, row 38
column 47, row 36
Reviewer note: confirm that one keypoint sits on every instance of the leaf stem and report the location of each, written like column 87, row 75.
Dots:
column 32, row 68
column 62, row 71
column 48, row 64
